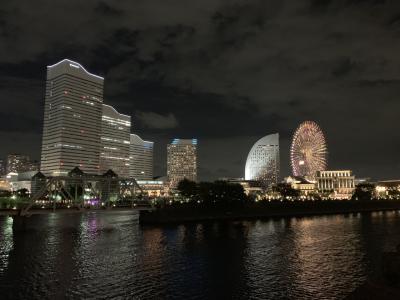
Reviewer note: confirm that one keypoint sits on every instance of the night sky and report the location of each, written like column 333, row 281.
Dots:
column 225, row 72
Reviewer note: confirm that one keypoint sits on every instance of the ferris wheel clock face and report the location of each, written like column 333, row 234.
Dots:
column 308, row 153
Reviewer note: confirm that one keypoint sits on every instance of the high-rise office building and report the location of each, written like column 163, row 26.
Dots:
column 141, row 158
column 262, row 162
column 72, row 119
column 115, row 141
column 17, row 163
column 181, row 161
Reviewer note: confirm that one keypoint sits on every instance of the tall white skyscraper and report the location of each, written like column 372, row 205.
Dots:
column 181, row 161
column 72, row 119
column 115, row 141
column 141, row 158
column 262, row 162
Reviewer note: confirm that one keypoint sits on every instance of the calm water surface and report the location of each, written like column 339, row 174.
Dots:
column 101, row 256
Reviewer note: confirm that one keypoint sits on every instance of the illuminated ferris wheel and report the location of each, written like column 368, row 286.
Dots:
column 308, row 153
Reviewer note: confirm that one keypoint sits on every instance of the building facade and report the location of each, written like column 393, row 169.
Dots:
column 338, row 184
column 262, row 162
column 304, row 186
column 387, row 189
column 72, row 119
column 115, row 141
column 181, row 161
column 17, row 163
column 21, row 180
column 154, row 188
column 141, row 158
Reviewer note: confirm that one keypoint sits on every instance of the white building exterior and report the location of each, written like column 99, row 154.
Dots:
column 72, row 119
column 141, row 158
column 115, row 141
column 262, row 162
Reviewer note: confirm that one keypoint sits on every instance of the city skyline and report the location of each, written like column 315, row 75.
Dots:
column 242, row 149
column 234, row 70
column 118, row 148
column 118, row 159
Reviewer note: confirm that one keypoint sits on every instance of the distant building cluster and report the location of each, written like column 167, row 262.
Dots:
column 17, row 163
column 80, row 130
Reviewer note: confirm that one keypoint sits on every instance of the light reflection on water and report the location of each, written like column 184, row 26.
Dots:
column 100, row 255
column 6, row 242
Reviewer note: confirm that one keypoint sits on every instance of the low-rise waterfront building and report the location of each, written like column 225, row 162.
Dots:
column 301, row 184
column 154, row 188
column 18, row 181
column 339, row 183
column 387, row 189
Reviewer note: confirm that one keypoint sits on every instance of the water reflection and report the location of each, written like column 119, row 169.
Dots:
column 6, row 241
column 102, row 255
column 326, row 254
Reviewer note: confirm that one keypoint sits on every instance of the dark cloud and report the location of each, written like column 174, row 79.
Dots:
column 343, row 67
column 106, row 9
column 226, row 72
column 157, row 121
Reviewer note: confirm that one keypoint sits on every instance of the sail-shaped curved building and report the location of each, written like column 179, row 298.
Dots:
column 262, row 162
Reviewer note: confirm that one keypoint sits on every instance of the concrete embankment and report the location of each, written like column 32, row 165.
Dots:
column 181, row 213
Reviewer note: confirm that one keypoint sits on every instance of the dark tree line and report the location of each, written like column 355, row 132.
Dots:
column 218, row 192
column 363, row 192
